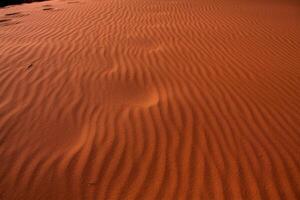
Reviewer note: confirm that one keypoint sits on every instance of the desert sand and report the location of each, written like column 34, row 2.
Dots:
column 150, row 99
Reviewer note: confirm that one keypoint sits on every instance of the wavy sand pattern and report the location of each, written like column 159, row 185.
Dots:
column 150, row 99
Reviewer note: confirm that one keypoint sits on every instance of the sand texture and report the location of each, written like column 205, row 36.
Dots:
column 150, row 99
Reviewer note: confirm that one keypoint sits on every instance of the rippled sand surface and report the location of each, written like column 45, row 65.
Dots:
column 150, row 99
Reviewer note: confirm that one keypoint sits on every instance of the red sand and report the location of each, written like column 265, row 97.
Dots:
column 150, row 99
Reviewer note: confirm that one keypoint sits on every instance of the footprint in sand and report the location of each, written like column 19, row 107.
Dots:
column 12, row 14
column 49, row 7
column 4, row 20
column 7, row 22
column 7, row 19
column 118, row 93
column 16, row 14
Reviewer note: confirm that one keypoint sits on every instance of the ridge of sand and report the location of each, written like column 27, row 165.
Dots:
column 150, row 99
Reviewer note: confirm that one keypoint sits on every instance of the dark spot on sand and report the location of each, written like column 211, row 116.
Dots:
column 7, row 22
column 4, row 20
column 11, row 14
column 29, row 66
column 48, row 8
column 16, row 14
column 92, row 183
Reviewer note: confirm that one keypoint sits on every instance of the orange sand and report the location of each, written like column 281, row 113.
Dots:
column 150, row 99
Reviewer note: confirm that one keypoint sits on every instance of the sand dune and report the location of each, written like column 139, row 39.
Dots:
column 150, row 99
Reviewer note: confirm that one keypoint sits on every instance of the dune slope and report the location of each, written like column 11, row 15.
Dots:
column 150, row 99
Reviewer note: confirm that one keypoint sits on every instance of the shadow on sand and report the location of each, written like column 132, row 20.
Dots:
column 4, row 3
